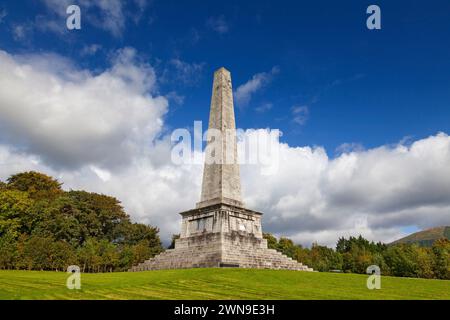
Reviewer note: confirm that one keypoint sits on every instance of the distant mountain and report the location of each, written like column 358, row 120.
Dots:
column 426, row 238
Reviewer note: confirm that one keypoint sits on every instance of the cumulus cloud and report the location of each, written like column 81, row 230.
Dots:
column 151, row 189
column 348, row 147
column 104, row 133
column 71, row 117
column 244, row 92
column 317, row 198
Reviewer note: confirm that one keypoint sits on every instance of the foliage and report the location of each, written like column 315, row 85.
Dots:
column 14, row 208
column 36, row 185
column 43, row 227
column 355, row 254
column 441, row 265
column 172, row 243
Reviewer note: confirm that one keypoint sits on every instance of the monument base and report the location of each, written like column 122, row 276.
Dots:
column 221, row 235
column 216, row 250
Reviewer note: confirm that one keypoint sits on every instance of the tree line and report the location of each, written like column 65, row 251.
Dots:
column 355, row 254
column 43, row 227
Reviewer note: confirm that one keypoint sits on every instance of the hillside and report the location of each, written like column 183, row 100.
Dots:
column 213, row 284
column 426, row 238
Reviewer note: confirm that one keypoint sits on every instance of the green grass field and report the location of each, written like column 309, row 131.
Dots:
column 215, row 284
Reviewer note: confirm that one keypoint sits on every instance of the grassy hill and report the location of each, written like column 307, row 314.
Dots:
column 426, row 237
column 216, row 284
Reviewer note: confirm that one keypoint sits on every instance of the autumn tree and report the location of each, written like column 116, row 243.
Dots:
column 441, row 251
column 37, row 185
column 14, row 208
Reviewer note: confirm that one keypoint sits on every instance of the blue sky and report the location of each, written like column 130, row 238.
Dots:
column 365, row 114
column 368, row 87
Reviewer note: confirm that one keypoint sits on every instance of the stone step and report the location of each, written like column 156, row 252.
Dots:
column 201, row 257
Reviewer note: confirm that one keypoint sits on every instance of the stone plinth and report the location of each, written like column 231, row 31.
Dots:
column 220, row 217
column 221, row 236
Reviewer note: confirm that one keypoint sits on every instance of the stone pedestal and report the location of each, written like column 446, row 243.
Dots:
column 220, row 217
column 217, row 236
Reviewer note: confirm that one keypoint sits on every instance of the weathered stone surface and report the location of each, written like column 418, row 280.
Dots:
column 220, row 232
column 220, row 218
column 221, row 180
column 213, row 250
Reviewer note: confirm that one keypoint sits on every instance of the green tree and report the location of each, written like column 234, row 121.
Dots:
column 62, row 256
column 102, row 216
column 59, row 220
column 8, row 250
column 325, row 259
column 303, row 255
column 141, row 252
column 109, row 255
column 38, row 253
column 126, row 259
column 441, row 252
column 44, row 227
column 172, row 243
column 401, row 260
column 89, row 256
column 14, row 208
column 136, row 232
column 424, row 260
column 343, row 245
column 38, row 185
column 287, row 247
column 272, row 242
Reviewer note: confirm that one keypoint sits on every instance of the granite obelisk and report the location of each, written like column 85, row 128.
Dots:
column 221, row 180
column 220, row 231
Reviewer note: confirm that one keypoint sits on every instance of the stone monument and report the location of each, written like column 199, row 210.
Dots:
column 220, row 231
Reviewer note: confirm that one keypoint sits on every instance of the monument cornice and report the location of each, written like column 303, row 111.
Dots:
column 219, row 206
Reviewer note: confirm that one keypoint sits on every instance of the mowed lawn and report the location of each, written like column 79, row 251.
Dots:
column 215, row 284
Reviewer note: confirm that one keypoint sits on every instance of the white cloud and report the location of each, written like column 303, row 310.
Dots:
column 315, row 198
column 151, row 189
column 103, row 133
column 188, row 73
column 348, row 147
column 175, row 97
column 218, row 24
column 141, row 6
column 244, row 92
column 71, row 117
column 3, row 14
column 89, row 50
column 300, row 114
column 264, row 107
column 20, row 32
column 104, row 175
